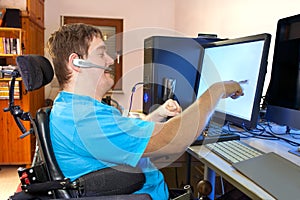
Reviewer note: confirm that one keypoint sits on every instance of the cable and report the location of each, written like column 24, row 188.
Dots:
column 287, row 132
column 284, row 139
column 252, row 133
column 133, row 91
column 269, row 126
column 295, row 135
column 275, row 135
column 271, row 135
column 234, row 131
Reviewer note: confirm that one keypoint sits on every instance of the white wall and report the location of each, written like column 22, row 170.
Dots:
column 234, row 18
column 143, row 18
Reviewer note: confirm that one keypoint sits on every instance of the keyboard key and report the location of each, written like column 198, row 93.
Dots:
column 233, row 151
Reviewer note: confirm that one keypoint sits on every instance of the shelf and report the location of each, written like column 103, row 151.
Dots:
column 9, row 55
column 10, row 42
column 10, row 29
column 9, row 79
column 12, row 32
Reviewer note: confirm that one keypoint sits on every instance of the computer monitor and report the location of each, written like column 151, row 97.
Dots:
column 283, row 94
column 236, row 59
column 171, row 63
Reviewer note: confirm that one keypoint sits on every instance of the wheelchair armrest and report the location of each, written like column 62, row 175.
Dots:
column 121, row 179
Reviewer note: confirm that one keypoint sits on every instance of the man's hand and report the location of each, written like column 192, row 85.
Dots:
column 169, row 109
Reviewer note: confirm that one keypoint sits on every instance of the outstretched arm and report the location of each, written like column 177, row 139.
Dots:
column 176, row 134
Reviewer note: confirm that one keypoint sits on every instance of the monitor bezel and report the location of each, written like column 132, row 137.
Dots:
column 223, row 117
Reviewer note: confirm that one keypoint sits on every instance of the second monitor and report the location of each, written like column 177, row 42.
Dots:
column 236, row 59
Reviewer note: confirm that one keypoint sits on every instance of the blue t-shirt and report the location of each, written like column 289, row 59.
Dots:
column 88, row 135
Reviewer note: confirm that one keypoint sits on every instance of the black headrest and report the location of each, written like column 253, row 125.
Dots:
column 36, row 71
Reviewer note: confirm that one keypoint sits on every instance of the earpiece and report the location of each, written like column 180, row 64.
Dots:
column 80, row 63
column 85, row 64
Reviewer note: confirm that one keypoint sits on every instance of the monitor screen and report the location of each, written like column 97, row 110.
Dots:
column 237, row 59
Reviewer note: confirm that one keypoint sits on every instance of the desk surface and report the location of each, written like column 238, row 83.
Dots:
column 238, row 180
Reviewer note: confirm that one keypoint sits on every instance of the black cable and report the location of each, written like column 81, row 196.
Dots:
column 260, row 134
column 295, row 135
column 271, row 130
column 271, row 135
column 252, row 133
column 256, row 132
column 287, row 132
column 284, row 139
column 246, row 133
column 238, row 132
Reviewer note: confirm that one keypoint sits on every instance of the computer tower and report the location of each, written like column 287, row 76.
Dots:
column 171, row 70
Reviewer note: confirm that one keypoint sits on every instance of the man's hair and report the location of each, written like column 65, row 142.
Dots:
column 68, row 39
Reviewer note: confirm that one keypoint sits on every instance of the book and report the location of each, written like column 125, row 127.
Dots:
column 2, row 13
column 2, row 51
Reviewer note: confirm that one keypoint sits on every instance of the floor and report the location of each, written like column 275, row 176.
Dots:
column 9, row 181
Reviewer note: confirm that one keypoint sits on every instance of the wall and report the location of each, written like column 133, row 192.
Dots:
column 143, row 18
column 18, row 4
column 234, row 18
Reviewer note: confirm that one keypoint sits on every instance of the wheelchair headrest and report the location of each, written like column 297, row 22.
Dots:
column 36, row 71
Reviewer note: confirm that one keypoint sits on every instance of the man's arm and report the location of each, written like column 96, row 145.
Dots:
column 179, row 132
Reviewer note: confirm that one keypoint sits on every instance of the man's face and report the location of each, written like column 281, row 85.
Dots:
column 97, row 54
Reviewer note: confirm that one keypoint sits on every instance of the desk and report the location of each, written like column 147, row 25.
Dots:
column 224, row 169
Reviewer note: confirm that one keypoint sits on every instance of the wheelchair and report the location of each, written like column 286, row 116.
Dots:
column 44, row 179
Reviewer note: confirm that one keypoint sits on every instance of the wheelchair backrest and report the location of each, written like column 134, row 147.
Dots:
column 46, row 149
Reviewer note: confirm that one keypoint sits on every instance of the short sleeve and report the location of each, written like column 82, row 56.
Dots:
column 109, row 137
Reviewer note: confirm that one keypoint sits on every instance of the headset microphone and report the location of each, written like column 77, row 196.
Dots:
column 85, row 64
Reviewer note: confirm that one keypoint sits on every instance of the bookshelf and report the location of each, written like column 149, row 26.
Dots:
column 10, row 48
column 13, row 149
column 10, row 42
column 4, row 88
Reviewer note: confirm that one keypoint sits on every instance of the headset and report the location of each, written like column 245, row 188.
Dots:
column 85, row 64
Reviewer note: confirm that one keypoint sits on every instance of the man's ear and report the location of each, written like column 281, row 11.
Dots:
column 71, row 58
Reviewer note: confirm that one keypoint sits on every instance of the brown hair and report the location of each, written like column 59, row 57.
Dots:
column 68, row 39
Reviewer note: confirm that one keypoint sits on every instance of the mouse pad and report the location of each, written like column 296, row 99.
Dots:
column 275, row 174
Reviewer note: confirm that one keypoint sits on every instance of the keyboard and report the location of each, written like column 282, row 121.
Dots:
column 234, row 151
column 215, row 133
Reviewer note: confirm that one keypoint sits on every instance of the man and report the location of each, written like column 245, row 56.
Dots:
column 88, row 135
